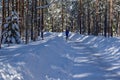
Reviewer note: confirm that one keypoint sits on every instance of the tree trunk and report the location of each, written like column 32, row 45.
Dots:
column 3, row 21
column 42, row 19
column 8, row 8
column 52, row 18
column 62, row 17
column 80, row 15
column 35, row 22
column 88, row 18
column 39, row 18
column 32, row 19
column 97, row 13
column 26, row 22
column 111, row 17
column 105, row 22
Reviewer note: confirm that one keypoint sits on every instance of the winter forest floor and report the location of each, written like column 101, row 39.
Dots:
column 54, row 58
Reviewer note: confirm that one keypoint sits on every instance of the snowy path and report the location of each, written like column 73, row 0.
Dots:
column 90, row 64
column 56, row 59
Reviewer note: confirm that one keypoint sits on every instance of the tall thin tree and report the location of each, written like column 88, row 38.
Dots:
column 80, row 15
column 42, row 19
column 111, row 17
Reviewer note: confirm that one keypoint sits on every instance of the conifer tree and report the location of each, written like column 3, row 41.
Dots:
column 11, row 30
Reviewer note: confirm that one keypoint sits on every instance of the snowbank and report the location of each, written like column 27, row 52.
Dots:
column 80, row 58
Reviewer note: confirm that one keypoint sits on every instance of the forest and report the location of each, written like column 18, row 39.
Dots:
column 27, row 20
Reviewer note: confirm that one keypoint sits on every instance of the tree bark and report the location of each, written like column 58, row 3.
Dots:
column 111, row 17
column 105, row 22
column 97, row 14
column 80, row 15
column 42, row 19
column 62, row 17
column 88, row 17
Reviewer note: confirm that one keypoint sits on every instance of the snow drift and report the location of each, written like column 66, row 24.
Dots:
column 80, row 58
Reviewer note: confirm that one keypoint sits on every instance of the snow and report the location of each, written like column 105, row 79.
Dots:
column 5, row 25
column 79, row 58
column 16, row 26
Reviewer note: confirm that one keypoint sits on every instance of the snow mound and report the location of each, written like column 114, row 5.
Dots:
column 81, row 57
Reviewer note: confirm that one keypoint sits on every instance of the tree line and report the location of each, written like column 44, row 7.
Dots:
column 29, row 17
column 92, row 17
column 33, row 17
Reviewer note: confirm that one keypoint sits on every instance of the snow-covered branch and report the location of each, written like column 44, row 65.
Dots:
column 46, row 6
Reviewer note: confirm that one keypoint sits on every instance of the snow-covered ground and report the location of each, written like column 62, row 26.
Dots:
column 54, row 58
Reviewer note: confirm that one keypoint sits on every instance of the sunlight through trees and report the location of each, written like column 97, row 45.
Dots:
column 92, row 17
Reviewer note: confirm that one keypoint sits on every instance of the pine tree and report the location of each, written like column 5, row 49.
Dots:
column 11, row 30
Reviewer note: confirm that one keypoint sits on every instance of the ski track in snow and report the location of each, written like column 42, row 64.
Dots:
column 79, row 58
